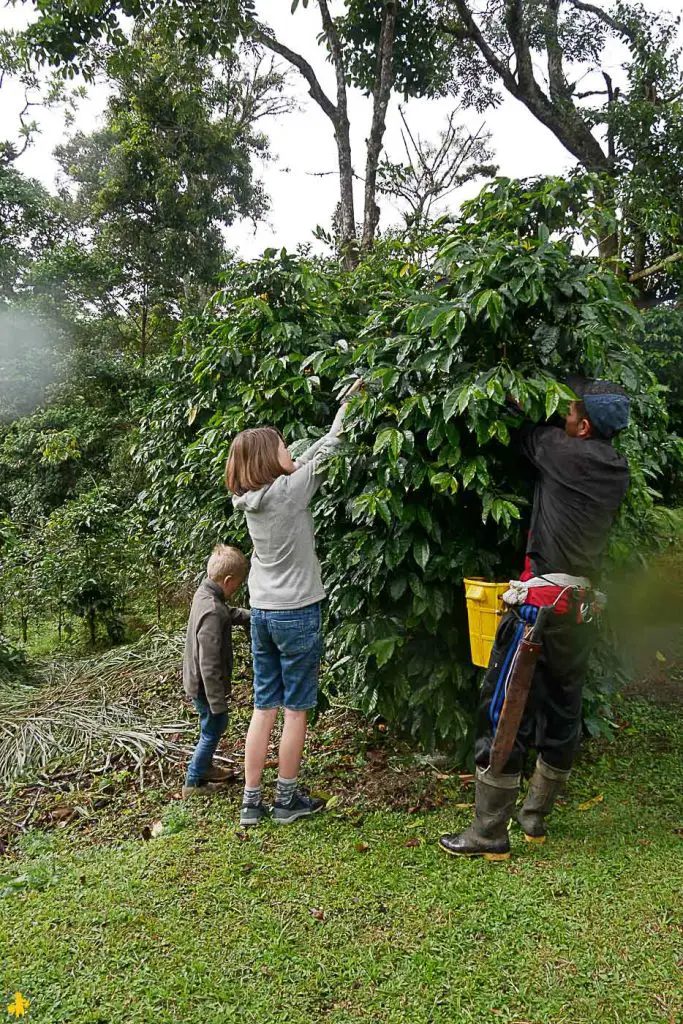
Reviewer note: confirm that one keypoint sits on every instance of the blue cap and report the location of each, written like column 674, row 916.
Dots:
column 608, row 413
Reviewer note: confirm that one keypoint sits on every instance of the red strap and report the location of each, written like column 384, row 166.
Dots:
column 541, row 597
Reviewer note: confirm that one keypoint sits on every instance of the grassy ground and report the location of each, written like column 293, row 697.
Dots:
column 357, row 916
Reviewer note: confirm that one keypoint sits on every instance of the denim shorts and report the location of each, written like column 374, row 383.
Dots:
column 286, row 648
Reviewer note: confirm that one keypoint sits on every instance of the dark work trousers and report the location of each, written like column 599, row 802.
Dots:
column 552, row 719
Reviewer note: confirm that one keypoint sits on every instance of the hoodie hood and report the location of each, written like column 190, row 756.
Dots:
column 251, row 501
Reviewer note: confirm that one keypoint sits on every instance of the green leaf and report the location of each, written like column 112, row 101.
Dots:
column 469, row 472
column 482, row 301
column 424, row 517
column 444, row 483
column 546, row 337
column 552, row 399
column 382, row 650
column 450, row 404
column 421, row 551
column 435, row 436
column 389, row 438
column 436, row 602
column 494, row 310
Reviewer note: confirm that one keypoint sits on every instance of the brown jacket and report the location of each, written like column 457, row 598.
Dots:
column 207, row 664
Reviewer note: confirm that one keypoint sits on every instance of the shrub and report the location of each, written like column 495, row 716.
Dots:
column 430, row 486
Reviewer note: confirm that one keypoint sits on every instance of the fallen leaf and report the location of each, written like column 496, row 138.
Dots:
column 659, row 656
column 319, row 915
column 157, row 828
column 272, row 763
column 62, row 813
column 591, row 803
column 466, row 778
column 414, row 810
column 462, row 807
column 243, row 835
column 412, row 842
column 332, row 802
column 362, row 847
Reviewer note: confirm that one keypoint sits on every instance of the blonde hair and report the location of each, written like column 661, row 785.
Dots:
column 226, row 561
column 253, row 460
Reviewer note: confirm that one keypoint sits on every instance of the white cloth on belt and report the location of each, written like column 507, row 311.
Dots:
column 519, row 589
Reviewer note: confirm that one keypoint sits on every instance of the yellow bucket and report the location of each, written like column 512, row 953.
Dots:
column 484, row 609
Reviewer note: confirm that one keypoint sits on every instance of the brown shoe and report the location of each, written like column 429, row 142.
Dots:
column 206, row 789
column 220, row 774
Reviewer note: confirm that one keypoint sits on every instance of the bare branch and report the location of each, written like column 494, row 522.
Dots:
column 648, row 271
column 617, row 26
column 299, row 62
column 591, row 92
column 557, row 113
column 470, row 30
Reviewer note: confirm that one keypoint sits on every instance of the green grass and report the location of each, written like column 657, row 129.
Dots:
column 345, row 919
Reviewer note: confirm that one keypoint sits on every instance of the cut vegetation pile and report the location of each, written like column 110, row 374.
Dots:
column 79, row 710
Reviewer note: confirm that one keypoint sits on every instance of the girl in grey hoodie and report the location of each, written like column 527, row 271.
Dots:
column 285, row 594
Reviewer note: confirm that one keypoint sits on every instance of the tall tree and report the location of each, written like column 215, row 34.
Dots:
column 376, row 45
column 149, row 194
column 543, row 52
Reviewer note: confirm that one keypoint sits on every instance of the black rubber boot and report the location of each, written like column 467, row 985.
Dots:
column 545, row 785
column 487, row 836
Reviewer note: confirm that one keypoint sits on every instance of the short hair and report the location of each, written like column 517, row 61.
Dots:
column 253, row 460
column 226, row 561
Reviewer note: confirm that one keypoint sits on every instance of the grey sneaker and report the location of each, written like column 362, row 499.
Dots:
column 301, row 806
column 253, row 814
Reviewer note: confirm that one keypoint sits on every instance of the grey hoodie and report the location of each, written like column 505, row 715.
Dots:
column 285, row 572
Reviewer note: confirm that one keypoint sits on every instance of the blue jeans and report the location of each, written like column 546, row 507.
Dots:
column 286, row 648
column 212, row 728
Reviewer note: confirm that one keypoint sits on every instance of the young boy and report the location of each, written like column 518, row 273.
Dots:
column 207, row 664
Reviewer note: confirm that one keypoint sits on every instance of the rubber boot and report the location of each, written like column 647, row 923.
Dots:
column 487, row 836
column 545, row 785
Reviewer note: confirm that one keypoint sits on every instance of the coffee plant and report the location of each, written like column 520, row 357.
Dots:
column 430, row 485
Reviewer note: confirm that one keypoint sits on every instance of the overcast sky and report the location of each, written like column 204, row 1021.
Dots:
column 302, row 141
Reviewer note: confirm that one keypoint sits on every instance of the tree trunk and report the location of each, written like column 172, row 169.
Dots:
column 143, row 329
column 92, row 626
column 380, row 97
column 342, row 134
column 348, row 218
column 338, row 115
column 24, row 627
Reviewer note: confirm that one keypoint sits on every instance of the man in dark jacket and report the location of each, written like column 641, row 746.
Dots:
column 207, row 664
column 581, row 482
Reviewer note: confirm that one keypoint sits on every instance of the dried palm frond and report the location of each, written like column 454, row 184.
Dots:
column 85, row 707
